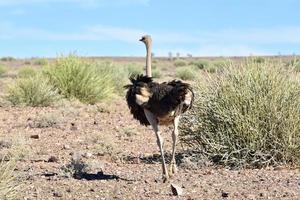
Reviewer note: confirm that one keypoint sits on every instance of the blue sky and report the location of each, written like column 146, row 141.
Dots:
column 47, row 28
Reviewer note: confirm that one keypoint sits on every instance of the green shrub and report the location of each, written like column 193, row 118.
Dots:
column 79, row 79
column 179, row 63
column 26, row 72
column 3, row 70
column 186, row 73
column 41, row 61
column 248, row 115
column 32, row 91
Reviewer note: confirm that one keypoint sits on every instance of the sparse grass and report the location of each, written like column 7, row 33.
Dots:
column 104, row 145
column 47, row 120
column 32, row 91
column 186, row 73
column 27, row 72
column 9, row 187
column 41, row 61
column 12, row 150
column 247, row 115
column 76, row 168
column 180, row 63
column 75, row 78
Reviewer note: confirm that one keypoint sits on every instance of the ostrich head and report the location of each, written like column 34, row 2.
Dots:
column 146, row 39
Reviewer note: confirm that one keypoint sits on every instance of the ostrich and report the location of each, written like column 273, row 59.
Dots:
column 157, row 104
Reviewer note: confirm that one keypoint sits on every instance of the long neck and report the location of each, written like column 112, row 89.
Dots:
column 148, row 60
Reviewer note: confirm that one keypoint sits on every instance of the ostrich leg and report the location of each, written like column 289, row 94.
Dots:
column 173, row 168
column 153, row 121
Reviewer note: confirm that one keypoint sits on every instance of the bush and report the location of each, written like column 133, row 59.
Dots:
column 248, row 115
column 26, row 72
column 32, row 91
column 3, row 70
column 78, row 79
column 179, row 63
column 186, row 73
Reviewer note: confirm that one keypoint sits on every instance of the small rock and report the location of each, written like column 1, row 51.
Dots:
column 57, row 194
column 53, row 159
column 67, row 147
column 87, row 155
column 225, row 194
column 136, row 160
column 73, row 127
column 176, row 190
column 5, row 144
column 35, row 136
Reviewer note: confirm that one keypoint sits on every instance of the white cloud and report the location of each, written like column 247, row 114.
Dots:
column 222, row 43
column 257, row 35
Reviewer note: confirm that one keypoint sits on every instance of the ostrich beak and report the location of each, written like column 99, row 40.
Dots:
column 142, row 39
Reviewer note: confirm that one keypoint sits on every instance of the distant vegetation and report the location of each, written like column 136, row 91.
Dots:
column 41, row 61
column 3, row 70
column 247, row 115
column 7, row 59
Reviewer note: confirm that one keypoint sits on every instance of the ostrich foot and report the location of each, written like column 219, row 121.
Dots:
column 173, row 168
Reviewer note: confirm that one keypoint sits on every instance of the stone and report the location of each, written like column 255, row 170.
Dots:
column 176, row 190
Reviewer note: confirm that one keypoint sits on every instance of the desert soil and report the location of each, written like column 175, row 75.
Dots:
column 122, row 159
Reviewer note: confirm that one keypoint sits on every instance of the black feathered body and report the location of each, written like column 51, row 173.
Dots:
column 165, row 100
